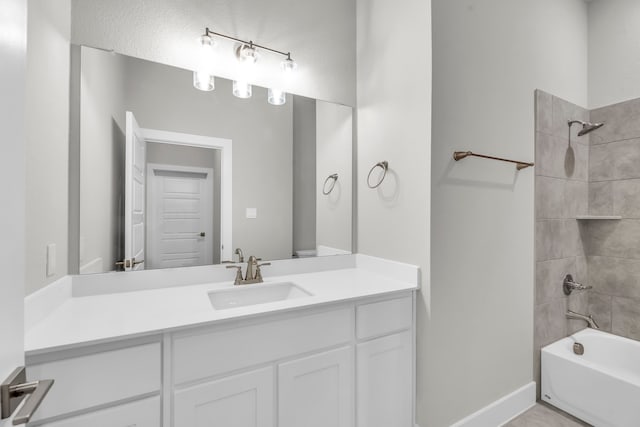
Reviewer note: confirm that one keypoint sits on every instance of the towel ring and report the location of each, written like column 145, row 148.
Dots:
column 333, row 177
column 384, row 165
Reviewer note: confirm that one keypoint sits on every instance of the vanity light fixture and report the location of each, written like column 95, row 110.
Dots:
column 203, row 78
column 276, row 97
column 241, row 89
column 248, row 53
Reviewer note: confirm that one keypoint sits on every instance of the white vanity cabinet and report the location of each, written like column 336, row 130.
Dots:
column 344, row 364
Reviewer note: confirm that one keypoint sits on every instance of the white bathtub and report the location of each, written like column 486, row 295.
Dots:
column 602, row 387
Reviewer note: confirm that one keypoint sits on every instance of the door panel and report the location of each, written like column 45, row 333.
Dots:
column 384, row 382
column 135, row 182
column 317, row 391
column 244, row 400
column 180, row 211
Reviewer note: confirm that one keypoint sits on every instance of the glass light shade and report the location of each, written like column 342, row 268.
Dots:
column 289, row 65
column 247, row 54
column 276, row 97
column 204, row 81
column 241, row 89
column 206, row 41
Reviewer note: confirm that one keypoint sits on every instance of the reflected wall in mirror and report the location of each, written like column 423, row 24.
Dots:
column 173, row 176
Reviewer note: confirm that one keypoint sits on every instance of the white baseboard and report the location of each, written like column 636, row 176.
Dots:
column 502, row 410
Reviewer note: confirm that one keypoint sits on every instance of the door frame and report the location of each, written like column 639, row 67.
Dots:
column 152, row 192
column 226, row 176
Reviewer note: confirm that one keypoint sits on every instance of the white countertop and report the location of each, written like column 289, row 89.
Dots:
column 108, row 317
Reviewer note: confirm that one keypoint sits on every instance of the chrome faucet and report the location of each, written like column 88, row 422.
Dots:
column 568, row 285
column 240, row 255
column 587, row 318
column 252, row 273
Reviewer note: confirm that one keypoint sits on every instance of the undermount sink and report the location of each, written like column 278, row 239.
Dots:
column 260, row 293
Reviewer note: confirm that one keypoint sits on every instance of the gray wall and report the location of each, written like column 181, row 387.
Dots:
column 47, row 148
column 102, row 141
column 394, row 124
column 334, row 130
column 162, row 97
column 614, row 57
column 489, row 56
column 613, row 247
column 175, row 155
column 304, row 173
column 562, row 175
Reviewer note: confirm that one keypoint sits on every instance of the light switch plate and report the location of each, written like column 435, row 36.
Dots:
column 51, row 259
column 252, row 213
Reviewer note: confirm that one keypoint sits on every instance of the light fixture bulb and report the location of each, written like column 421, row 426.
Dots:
column 289, row 65
column 248, row 54
column 241, row 89
column 206, row 41
column 203, row 80
column 276, row 97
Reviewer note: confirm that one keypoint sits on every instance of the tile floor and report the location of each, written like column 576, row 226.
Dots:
column 543, row 415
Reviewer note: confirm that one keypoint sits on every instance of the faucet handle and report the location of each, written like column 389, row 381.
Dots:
column 569, row 285
column 238, row 278
column 258, row 272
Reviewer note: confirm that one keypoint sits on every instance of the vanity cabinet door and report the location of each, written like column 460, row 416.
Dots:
column 317, row 391
column 244, row 400
column 384, row 385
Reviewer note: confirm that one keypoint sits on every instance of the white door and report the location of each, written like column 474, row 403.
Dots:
column 384, row 382
column 13, row 55
column 134, row 204
column 244, row 400
column 12, row 173
column 317, row 391
column 179, row 216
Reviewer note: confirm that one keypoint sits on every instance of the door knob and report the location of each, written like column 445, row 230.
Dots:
column 15, row 389
column 202, row 234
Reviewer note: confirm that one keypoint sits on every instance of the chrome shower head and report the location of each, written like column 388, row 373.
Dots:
column 586, row 126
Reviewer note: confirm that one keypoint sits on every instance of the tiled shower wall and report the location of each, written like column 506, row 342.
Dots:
column 613, row 247
column 562, row 193
column 596, row 174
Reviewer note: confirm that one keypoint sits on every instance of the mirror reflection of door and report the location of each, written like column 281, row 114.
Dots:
column 134, row 215
column 180, row 205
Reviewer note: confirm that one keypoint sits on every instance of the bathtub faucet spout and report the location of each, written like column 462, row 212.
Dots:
column 587, row 318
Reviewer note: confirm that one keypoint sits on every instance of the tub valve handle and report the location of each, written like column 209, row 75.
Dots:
column 568, row 285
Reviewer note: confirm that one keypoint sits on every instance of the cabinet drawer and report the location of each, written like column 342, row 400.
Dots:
column 209, row 354
column 384, row 317
column 96, row 379
column 144, row 413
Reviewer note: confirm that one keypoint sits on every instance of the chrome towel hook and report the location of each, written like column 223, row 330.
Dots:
column 385, row 166
column 334, row 179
